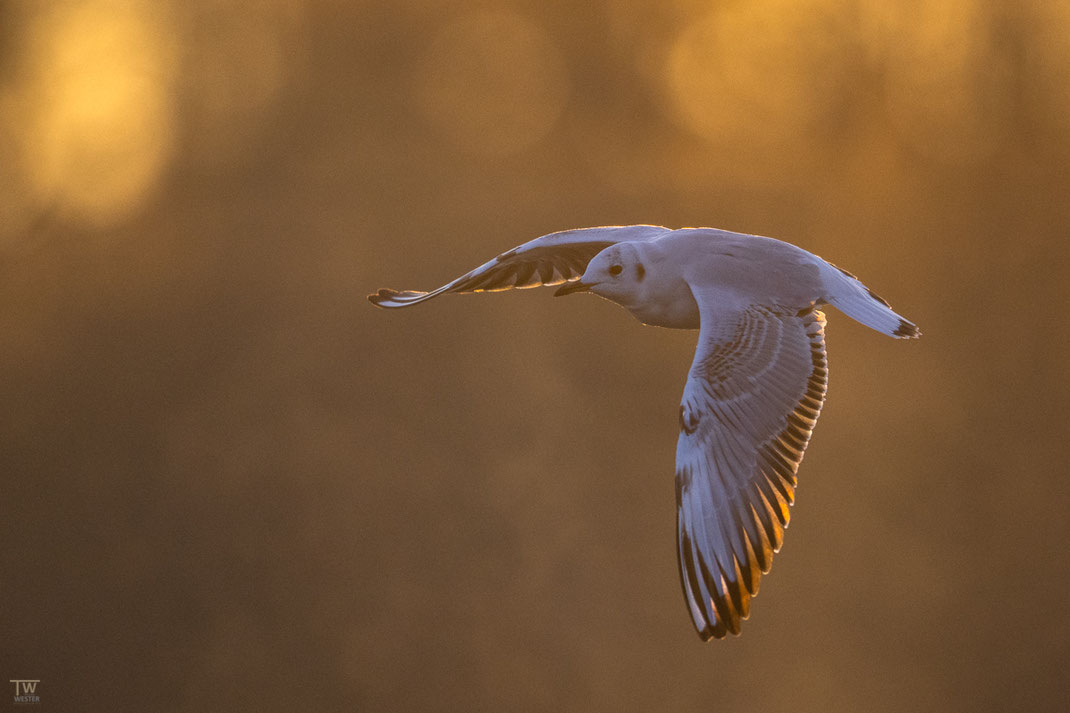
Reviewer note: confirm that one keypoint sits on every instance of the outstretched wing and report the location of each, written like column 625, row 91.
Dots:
column 752, row 398
column 549, row 260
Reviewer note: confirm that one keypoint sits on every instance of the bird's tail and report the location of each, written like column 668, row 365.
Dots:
column 847, row 294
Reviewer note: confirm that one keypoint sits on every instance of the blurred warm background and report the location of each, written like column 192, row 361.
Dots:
column 229, row 483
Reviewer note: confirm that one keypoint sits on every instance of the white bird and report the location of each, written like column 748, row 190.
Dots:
column 755, row 388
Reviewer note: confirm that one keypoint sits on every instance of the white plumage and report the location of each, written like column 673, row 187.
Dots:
column 754, row 390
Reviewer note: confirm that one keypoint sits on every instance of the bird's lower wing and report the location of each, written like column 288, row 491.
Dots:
column 549, row 260
column 753, row 395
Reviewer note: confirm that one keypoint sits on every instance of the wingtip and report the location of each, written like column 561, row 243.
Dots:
column 384, row 294
column 906, row 330
column 716, row 631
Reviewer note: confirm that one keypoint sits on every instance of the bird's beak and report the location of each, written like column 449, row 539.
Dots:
column 569, row 287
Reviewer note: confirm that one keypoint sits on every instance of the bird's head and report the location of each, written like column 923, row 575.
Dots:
column 617, row 273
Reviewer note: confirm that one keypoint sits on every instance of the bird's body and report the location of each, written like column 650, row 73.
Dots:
column 754, row 390
column 745, row 268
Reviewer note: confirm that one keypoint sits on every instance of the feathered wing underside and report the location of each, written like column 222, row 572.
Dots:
column 752, row 398
column 549, row 260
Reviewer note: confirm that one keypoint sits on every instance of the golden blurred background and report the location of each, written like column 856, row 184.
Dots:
column 229, row 483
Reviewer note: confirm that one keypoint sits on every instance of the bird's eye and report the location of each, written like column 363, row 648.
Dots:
column 615, row 270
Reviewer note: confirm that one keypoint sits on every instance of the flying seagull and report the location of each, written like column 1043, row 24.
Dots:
column 755, row 388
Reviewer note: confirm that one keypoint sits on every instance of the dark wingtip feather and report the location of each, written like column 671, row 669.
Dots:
column 717, row 631
column 907, row 330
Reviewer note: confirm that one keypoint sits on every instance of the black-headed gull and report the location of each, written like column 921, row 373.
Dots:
column 755, row 388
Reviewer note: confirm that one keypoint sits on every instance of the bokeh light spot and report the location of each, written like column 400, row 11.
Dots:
column 944, row 89
column 757, row 73
column 493, row 82
column 97, row 95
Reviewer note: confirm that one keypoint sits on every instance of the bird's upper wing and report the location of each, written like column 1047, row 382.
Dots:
column 549, row 260
column 752, row 398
